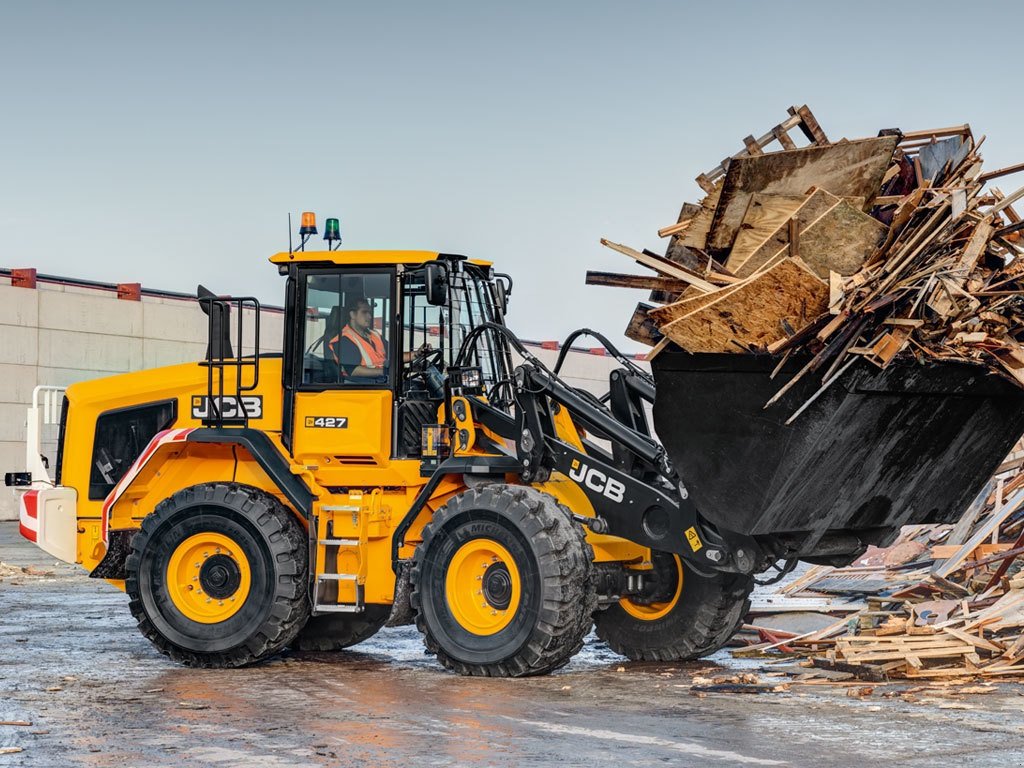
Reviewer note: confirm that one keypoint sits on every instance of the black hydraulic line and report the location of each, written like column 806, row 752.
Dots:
column 593, row 416
column 598, row 418
column 567, row 344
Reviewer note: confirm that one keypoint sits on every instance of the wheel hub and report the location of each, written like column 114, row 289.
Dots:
column 220, row 576
column 498, row 586
column 659, row 596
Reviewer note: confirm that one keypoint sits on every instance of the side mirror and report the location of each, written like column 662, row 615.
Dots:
column 501, row 297
column 502, row 290
column 437, row 284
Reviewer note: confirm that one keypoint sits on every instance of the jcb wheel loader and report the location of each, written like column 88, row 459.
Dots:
column 407, row 460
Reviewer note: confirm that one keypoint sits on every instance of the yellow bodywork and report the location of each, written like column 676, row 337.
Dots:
column 362, row 493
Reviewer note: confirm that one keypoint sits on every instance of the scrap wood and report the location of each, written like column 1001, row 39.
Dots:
column 751, row 314
column 926, row 263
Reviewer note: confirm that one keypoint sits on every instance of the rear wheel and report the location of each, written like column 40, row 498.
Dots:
column 217, row 576
column 502, row 583
column 682, row 615
column 337, row 631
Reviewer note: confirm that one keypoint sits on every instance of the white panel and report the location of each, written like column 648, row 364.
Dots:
column 58, row 523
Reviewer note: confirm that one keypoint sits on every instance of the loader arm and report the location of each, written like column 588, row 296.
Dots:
column 640, row 500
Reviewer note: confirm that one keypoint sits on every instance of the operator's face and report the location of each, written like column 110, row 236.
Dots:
column 362, row 318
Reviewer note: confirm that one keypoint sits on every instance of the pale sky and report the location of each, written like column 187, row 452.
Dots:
column 166, row 142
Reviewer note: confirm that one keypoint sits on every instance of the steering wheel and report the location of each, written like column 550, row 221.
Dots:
column 426, row 367
column 431, row 358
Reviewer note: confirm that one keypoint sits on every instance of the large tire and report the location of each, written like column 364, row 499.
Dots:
column 698, row 615
column 337, row 631
column 529, row 620
column 247, row 599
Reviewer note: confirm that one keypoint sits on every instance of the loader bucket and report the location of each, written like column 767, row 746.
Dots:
column 877, row 449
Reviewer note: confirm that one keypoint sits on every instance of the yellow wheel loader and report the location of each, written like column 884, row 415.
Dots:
column 406, row 459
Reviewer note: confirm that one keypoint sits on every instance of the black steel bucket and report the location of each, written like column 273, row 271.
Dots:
column 878, row 449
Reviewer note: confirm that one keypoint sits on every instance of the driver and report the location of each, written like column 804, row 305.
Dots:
column 359, row 349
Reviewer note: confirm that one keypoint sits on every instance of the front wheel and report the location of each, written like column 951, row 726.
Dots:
column 502, row 583
column 217, row 576
column 681, row 616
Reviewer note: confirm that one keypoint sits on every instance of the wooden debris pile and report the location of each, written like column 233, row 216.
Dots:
column 877, row 248
column 942, row 602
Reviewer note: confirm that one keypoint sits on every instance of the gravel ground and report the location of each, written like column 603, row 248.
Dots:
column 97, row 694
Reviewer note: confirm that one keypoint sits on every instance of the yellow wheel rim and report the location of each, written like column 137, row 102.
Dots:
column 654, row 611
column 482, row 587
column 208, row 577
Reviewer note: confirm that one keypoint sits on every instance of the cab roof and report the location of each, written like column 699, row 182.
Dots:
column 365, row 257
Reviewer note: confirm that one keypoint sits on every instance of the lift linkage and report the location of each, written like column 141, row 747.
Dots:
column 635, row 492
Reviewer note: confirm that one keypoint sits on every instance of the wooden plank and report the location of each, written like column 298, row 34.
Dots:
column 650, row 282
column 764, row 216
column 809, row 125
column 853, row 169
column 662, row 265
column 975, row 248
column 752, row 312
column 944, row 568
column 696, row 235
column 641, row 328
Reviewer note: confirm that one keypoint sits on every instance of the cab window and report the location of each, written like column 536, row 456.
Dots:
column 347, row 328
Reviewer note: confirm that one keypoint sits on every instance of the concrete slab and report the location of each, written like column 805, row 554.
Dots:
column 101, row 314
column 18, row 344
column 89, row 351
column 18, row 306
column 17, row 383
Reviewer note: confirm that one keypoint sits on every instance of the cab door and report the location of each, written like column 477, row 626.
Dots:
column 342, row 365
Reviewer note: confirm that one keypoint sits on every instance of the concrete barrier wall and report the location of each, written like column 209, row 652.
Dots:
column 58, row 334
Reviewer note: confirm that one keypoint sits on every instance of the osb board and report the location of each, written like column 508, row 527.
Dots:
column 693, row 301
column 840, row 241
column 850, row 169
column 815, row 205
column 764, row 216
column 753, row 313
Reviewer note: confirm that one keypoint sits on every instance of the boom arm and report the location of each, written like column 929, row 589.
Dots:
column 639, row 500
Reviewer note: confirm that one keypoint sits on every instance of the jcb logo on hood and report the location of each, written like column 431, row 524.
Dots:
column 596, row 480
column 227, row 407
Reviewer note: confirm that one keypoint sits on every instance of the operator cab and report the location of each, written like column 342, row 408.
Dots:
column 379, row 331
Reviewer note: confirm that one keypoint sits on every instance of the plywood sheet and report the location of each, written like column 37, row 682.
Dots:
column 764, row 216
column 840, row 241
column 752, row 313
column 850, row 169
column 816, row 204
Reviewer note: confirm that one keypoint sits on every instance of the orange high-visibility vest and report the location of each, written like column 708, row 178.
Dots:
column 371, row 350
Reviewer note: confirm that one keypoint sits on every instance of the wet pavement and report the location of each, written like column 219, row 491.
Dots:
column 97, row 694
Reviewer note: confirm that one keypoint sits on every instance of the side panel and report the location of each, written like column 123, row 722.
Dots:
column 342, row 426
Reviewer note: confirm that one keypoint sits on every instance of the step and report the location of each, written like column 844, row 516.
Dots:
column 339, row 542
column 337, row 577
column 338, row 609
